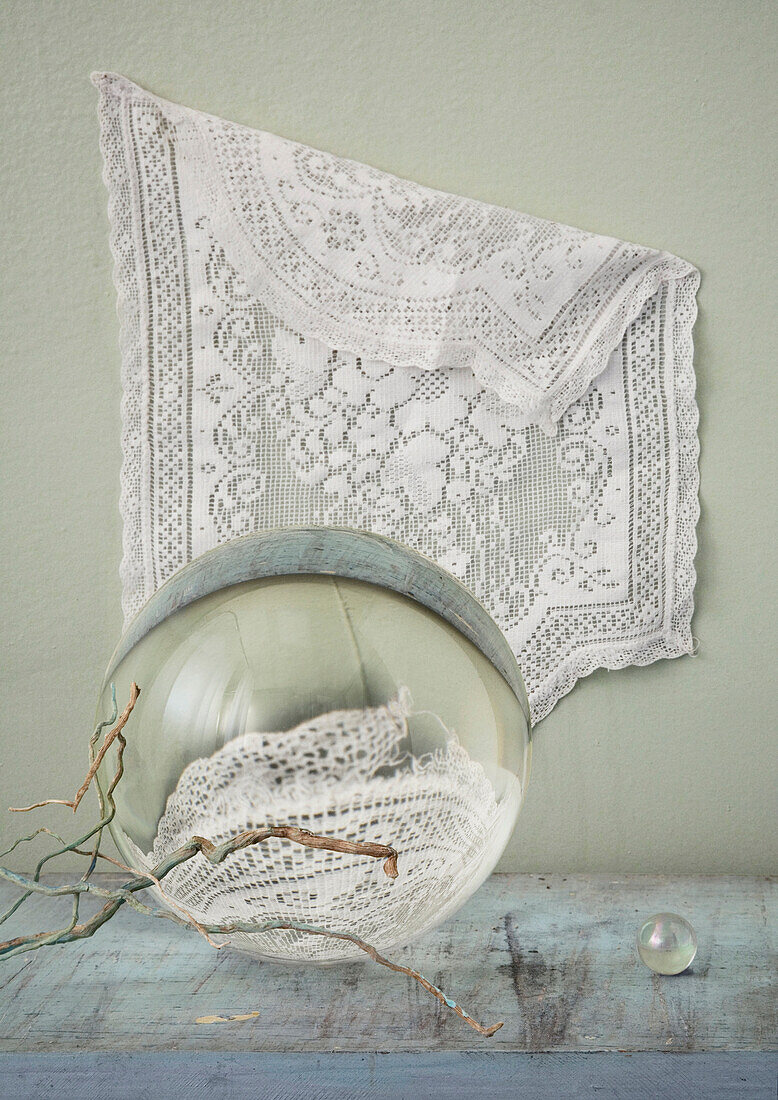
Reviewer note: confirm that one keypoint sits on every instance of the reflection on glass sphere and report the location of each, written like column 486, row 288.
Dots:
column 330, row 703
column 667, row 943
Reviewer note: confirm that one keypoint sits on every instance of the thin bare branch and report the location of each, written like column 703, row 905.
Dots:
column 369, row 950
column 215, row 853
column 106, row 814
column 42, row 831
column 109, row 739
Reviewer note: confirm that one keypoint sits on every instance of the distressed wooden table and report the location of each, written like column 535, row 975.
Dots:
column 553, row 956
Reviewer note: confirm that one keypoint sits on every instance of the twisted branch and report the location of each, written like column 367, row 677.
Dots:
column 96, row 762
column 215, row 854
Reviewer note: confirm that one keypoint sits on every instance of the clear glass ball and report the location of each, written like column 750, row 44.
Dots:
column 667, row 943
column 332, row 704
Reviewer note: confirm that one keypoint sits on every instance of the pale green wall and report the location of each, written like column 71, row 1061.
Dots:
column 650, row 121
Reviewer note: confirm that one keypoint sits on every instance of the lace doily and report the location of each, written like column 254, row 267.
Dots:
column 346, row 774
column 309, row 341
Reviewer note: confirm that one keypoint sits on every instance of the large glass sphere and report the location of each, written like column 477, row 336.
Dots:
column 318, row 679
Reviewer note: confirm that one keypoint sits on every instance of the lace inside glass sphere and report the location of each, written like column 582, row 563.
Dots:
column 335, row 705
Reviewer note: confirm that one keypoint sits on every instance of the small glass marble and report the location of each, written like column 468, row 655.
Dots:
column 667, row 943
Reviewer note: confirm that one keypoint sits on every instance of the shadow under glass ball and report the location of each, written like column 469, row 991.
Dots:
column 667, row 943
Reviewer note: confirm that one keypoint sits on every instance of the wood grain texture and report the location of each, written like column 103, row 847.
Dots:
column 552, row 956
column 448, row 1076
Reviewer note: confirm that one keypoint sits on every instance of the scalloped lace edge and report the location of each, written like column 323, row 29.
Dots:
column 124, row 248
column 674, row 640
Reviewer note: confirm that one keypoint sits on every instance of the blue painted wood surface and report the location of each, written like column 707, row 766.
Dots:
column 445, row 1076
column 553, row 956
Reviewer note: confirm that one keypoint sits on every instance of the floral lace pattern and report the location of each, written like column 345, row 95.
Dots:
column 310, row 341
column 417, row 451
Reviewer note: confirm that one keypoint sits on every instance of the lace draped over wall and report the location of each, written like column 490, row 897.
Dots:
column 307, row 340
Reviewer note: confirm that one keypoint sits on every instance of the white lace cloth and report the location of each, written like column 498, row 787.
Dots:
column 347, row 775
column 307, row 340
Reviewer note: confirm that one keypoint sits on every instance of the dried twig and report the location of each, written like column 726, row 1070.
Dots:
column 107, row 811
column 369, row 950
column 215, row 853
column 123, row 894
column 97, row 761
column 141, row 880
